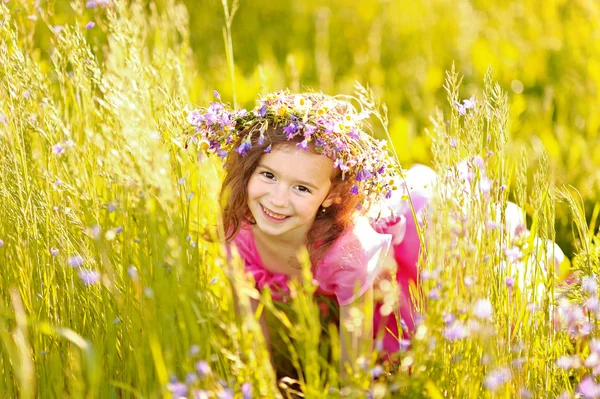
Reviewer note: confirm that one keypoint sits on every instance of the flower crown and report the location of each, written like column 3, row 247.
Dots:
column 333, row 125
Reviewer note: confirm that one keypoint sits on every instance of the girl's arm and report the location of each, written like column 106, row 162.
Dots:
column 356, row 333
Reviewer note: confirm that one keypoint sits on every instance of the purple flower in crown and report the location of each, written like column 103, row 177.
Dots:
column 268, row 149
column 290, row 130
column 309, row 130
column 354, row 189
column 329, row 127
column 262, row 112
column 246, row 146
column 303, row 145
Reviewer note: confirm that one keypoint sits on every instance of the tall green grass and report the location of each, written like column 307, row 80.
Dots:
column 108, row 287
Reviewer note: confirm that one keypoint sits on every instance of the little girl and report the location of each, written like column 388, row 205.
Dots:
column 302, row 173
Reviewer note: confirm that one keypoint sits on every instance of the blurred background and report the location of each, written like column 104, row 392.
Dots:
column 544, row 54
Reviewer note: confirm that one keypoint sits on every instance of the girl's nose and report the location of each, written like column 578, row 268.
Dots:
column 279, row 196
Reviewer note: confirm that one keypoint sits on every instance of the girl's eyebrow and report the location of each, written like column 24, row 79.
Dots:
column 310, row 185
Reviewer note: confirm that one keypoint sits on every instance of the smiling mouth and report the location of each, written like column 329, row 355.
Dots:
column 273, row 214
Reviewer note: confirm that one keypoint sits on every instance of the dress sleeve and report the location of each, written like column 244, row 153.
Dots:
column 354, row 260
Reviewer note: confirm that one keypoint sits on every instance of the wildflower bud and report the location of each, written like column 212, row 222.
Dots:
column 483, row 309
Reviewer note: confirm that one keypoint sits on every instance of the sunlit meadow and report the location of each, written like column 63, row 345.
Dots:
column 114, row 281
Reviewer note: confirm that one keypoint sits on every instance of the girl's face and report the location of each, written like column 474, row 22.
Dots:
column 286, row 190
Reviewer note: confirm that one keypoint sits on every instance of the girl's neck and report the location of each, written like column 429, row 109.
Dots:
column 286, row 243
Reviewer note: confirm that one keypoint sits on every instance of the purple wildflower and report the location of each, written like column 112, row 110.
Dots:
column 434, row 294
column 76, row 261
column 246, row 146
column 191, row 378
column 448, row 318
column 453, row 143
column 178, row 389
column 589, row 284
column 509, row 281
column 483, row 309
column 588, row 388
column 53, row 251
column 496, row 378
column 226, row 394
column 303, row 145
column 194, row 350
column 58, row 149
column 199, row 394
column 354, row 134
column 377, row 372
column 89, row 277
column 485, row 185
column 470, row 103
column 354, row 189
column 405, row 344
column 217, row 95
column 90, row 25
column 456, row 331
column 203, row 368
column 91, row 4
column 491, row 225
column 290, row 130
column 247, row 390
column 261, row 139
column 329, row 127
column 222, row 154
column 1, row 243
column 479, row 162
column 592, row 360
column 309, row 130
column 262, row 112
column 568, row 362
column 513, row 254
column 132, row 271
column 460, row 108
column 268, row 149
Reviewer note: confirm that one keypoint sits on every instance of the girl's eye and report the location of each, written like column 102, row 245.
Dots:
column 268, row 175
column 303, row 189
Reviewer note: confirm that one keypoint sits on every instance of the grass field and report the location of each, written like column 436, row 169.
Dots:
column 109, row 287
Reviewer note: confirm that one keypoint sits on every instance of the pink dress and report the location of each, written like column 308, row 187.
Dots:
column 355, row 259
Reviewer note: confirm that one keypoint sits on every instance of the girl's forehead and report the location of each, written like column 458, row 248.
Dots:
column 297, row 164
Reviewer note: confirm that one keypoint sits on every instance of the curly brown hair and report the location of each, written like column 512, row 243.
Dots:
column 238, row 170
